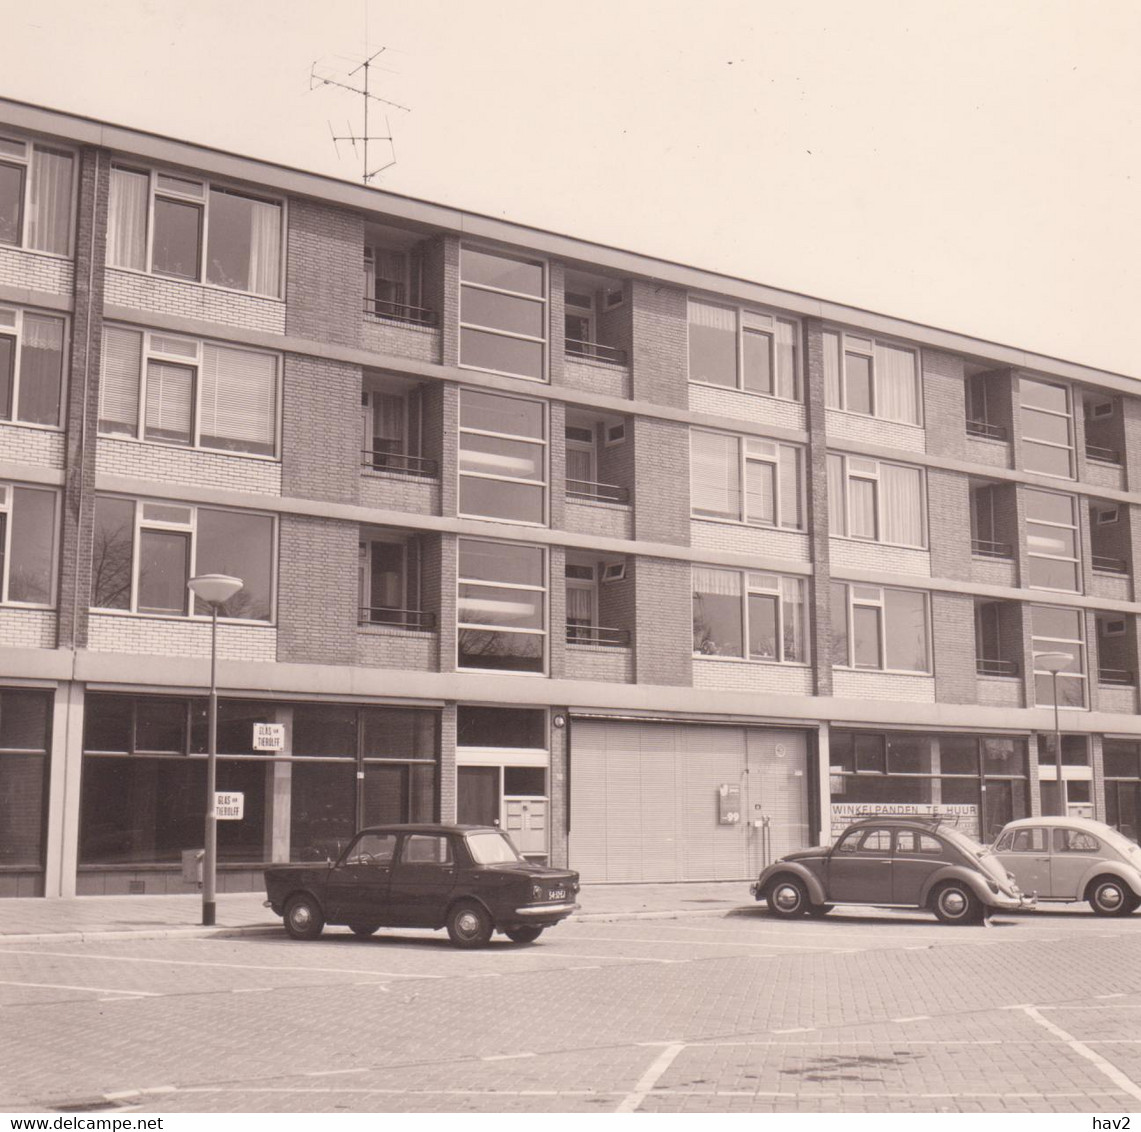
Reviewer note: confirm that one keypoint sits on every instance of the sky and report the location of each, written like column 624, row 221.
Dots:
column 967, row 164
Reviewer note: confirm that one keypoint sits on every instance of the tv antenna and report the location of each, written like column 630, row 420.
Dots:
column 316, row 79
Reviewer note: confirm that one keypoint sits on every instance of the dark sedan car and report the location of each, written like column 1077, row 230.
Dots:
column 469, row 879
column 894, row 862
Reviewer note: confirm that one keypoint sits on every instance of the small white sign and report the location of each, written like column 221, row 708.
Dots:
column 229, row 806
column 269, row 736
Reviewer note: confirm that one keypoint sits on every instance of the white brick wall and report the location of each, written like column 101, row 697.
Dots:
column 597, row 377
column 607, row 520
column 992, row 571
column 870, row 430
column 1104, row 475
column 28, row 628
column 165, row 464
column 751, row 676
column 738, row 539
column 1000, row 693
column 1122, row 700
column 1113, row 586
column 193, row 300
column 396, row 648
column 36, row 272
column 993, row 453
column 598, row 663
column 404, row 340
column 847, row 685
column 746, row 406
column 20, row 445
column 857, row 555
column 169, row 636
column 416, row 494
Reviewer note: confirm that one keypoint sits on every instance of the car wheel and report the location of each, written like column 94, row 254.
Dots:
column 363, row 930
column 469, row 925
column 1109, row 896
column 955, row 903
column 523, row 935
column 303, row 918
column 787, row 898
column 819, row 910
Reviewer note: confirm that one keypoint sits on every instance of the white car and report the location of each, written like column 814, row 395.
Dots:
column 1071, row 859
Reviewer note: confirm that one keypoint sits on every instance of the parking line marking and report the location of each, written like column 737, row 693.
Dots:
column 1082, row 1050
column 251, row 990
column 506, row 1056
column 914, row 1018
column 704, row 943
column 1119, row 994
column 588, row 967
column 650, row 1078
column 117, row 991
column 796, row 1030
column 333, row 1072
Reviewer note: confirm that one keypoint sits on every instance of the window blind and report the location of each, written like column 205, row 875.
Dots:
column 119, row 384
column 239, row 400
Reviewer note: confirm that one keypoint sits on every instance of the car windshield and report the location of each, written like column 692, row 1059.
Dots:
column 491, row 848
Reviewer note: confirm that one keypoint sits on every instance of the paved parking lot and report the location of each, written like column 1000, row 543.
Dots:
column 857, row 1012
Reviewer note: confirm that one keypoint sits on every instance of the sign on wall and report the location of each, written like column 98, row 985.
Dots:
column 729, row 803
column 229, row 805
column 962, row 816
column 269, row 736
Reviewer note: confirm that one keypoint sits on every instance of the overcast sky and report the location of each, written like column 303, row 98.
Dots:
column 970, row 164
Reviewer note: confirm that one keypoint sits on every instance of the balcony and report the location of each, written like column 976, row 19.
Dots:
column 385, row 459
column 985, row 548
column 1103, row 455
column 1115, row 678
column 415, row 620
column 985, row 430
column 399, row 312
column 598, row 635
column 987, row 666
column 599, row 492
column 595, row 351
column 1109, row 564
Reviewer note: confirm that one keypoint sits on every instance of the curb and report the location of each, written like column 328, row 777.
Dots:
column 275, row 929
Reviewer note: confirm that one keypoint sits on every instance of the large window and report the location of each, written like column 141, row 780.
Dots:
column 1122, row 761
column 390, row 585
column 31, row 367
column 758, row 616
column 743, row 349
column 181, row 391
column 1047, row 430
column 876, row 501
column 162, row 223
column 27, row 545
column 745, row 480
column 25, row 730
column 876, row 379
column 503, row 314
column 1052, row 540
column 878, row 628
column 1059, row 630
column 36, row 185
column 503, row 457
column 501, row 610
column 145, row 552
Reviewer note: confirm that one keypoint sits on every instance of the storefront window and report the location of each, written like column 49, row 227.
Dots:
column 24, row 737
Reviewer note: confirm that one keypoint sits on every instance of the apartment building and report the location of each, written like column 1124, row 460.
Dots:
column 666, row 572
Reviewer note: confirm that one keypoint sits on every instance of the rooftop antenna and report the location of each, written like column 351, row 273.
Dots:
column 317, row 79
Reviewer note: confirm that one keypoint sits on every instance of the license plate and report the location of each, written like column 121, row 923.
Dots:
column 557, row 894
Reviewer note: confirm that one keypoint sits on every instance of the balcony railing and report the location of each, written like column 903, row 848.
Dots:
column 603, row 492
column 985, row 429
column 596, row 351
column 984, row 666
column 399, row 312
column 381, row 460
column 1115, row 677
column 1107, row 564
column 1103, row 455
column 985, row 548
column 396, row 618
column 597, row 635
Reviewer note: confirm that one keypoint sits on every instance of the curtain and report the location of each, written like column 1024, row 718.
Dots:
column 786, row 360
column 792, row 617
column 239, row 400
column 831, row 370
column 265, row 248
column 49, row 220
column 715, row 475
column 862, row 508
column 760, row 492
column 790, row 487
column 837, row 503
column 712, row 344
column 579, row 605
column 41, row 370
column 127, row 220
column 896, row 386
column 721, row 583
column 902, row 502
column 905, row 614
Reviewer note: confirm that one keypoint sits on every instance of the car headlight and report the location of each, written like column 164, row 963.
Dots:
column 993, row 887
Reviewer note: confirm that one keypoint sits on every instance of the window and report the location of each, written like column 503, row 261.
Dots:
column 25, row 719
column 921, row 844
column 503, row 314
column 582, row 603
column 1047, row 432
column 393, row 283
column 180, row 391
column 27, row 545
column 1052, row 540
column 764, row 612
column 874, row 627
column 391, row 422
column 501, row 727
column 390, row 582
column 876, row 379
column 743, row 349
column 876, row 501
column 160, row 223
column 1075, row 841
column 745, row 480
column 1059, row 630
column 144, row 553
column 36, row 185
column 502, row 457
column 501, row 609
column 579, row 321
column 31, row 367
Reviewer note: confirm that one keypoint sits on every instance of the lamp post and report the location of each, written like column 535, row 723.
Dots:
column 214, row 590
column 1054, row 662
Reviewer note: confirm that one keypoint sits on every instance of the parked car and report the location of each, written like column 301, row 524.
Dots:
column 1072, row 859
column 901, row 862
column 469, row 879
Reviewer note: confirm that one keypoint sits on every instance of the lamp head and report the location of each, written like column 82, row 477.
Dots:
column 1054, row 662
column 214, row 589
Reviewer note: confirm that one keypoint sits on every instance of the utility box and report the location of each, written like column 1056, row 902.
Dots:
column 192, row 866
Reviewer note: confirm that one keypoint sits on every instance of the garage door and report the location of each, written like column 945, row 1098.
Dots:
column 644, row 799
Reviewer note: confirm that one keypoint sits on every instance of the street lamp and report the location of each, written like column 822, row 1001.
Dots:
column 214, row 590
column 1054, row 662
